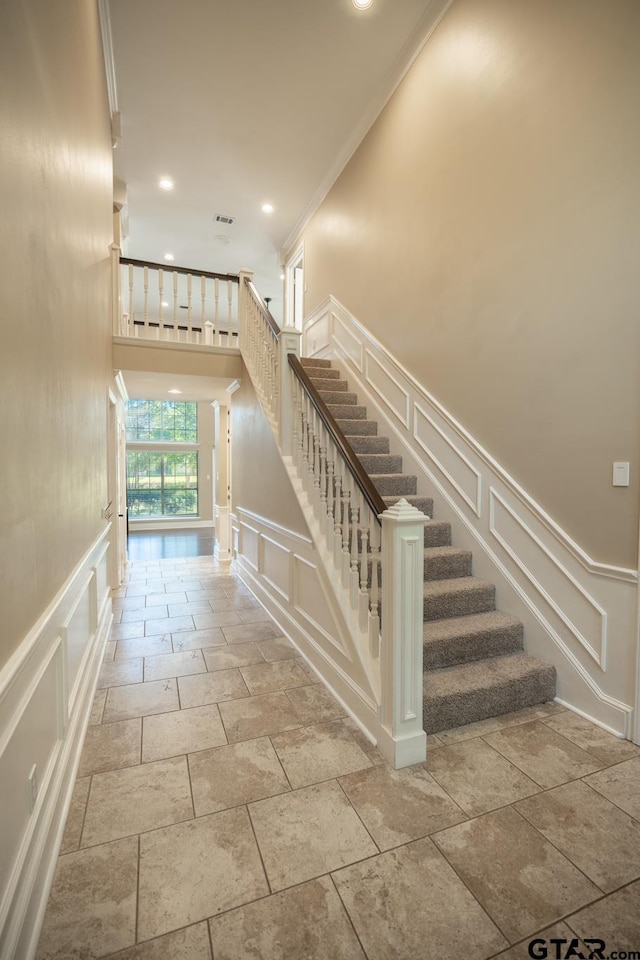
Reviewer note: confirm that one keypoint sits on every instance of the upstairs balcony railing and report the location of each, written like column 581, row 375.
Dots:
column 160, row 301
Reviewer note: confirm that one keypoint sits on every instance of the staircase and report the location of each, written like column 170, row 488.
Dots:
column 474, row 663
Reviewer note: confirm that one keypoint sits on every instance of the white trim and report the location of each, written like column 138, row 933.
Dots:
column 36, row 681
column 109, row 61
column 138, row 525
column 173, row 346
column 416, row 42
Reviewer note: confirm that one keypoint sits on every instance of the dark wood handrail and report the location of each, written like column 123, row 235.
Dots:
column 271, row 320
column 170, row 268
column 369, row 492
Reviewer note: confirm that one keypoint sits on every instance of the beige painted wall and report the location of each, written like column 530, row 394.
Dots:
column 55, row 197
column 259, row 481
column 487, row 232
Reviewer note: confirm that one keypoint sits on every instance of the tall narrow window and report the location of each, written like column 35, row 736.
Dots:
column 162, row 473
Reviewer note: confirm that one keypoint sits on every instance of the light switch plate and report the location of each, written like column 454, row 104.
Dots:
column 620, row 473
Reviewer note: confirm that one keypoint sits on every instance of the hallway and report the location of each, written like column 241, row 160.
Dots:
column 226, row 808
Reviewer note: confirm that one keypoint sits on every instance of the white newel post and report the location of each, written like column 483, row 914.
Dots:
column 243, row 299
column 289, row 343
column 116, row 300
column 402, row 738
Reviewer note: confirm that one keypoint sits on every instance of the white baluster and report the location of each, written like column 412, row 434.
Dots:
column 176, row 332
column 160, row 294
column 131, row 303
column 216, row 311
column 203, row 297
column 145, row 314
column 229, row 312
column 189, row 317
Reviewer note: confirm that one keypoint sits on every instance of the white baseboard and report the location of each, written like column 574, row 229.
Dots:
column 139, row 526
column 46, row 693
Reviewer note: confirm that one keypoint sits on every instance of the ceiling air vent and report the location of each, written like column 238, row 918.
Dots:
column 221, row 218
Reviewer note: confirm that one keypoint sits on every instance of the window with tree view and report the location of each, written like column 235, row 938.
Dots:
column 162, row 476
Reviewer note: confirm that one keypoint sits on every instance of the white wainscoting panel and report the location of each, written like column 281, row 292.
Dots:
column 290, row 582
column 578, row 613
column 46, row 693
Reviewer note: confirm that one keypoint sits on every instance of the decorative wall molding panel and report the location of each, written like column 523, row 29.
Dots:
column 286, row 574
column 46, row 693
column 578, row 614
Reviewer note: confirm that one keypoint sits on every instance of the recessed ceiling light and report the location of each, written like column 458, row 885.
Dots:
column 267, row 208
column 165, row 183
column 362, row 4
column 169, row 256
column 282, row 276
column 174, row 390
column 165, row 303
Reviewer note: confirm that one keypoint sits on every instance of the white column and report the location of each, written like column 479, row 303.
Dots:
column 289, row 343
column 221, row 482
column 402, row 739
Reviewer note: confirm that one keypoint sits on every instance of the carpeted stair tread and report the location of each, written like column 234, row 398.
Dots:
column 324, row 383
column 347, row 411
column 357, row 428
column 375, row 463
column 424, row 504
column 457, row 640
column 323, row 373
column 361, row 445
column 315, row 362
column 457, row 597
column 474, row 691
column 330, row 397
column 443, row 563
column 387, row 484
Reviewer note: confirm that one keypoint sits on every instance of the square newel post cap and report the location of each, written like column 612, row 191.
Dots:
column 403, row 512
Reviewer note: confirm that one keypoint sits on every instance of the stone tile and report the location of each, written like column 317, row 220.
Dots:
column 129, row 801
column 97, row 708
column 278, row 648
column 308, row 669
column 198, row 640
column 481, row 727
column 362, row 740
column 163, row 599
column 408, row 904
column 257, row 615
column 73, row 927
column 596, row 741
column 185, row 731
column 111, row 746
column 190, row 943
column 478, row 777
column 614, row 919
column 400, row 805
column 218, row 605
column 211, row 688
column 520, row 879
column 189, row 608
column 239, row 773
column 141, row 700
column 139, row 588
column 320, row 752
column 210, row 620
column 117, row 616
column 307, row 833
column 174, row 665
column 168, row 625
column 594, row 834
column 305, row 923
column 156, row 612
column 75, row 816
column 119, row 673
column 258, row 717
column 314, row 704
column 621, row 785
column 109, row 651
column 542, row 754
column 197, row 869
column 247, row 632
column 559, row 931
column 144, row 647
column 240, row 655
column 269, row 677
column 127, row 631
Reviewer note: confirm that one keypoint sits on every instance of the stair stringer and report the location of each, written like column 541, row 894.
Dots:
column 577, row 614
column 341, row 655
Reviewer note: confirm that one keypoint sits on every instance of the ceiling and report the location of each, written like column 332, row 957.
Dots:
column 142, row 385
column 242, row 102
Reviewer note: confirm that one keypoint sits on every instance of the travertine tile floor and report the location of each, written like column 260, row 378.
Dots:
column 225, row 808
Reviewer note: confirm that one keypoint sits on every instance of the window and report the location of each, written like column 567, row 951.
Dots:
column 162, row 476
column 162, row 421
